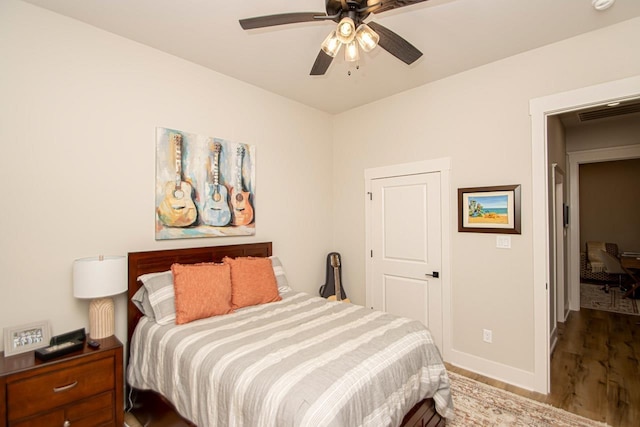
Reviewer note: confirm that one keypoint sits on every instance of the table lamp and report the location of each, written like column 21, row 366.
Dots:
column 99, row 278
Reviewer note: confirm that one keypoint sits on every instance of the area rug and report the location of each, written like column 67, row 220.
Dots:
column 592, row 296
column 478, row 404
column 131, row 421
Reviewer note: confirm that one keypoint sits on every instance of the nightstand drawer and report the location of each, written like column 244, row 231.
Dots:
column 92, row 412
column 51, row 419
column 51, row 390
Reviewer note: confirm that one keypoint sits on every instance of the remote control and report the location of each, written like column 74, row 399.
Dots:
column 93, row 344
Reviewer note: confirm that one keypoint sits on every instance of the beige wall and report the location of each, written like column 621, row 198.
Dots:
column 78, row 113
column 613, row 132
column 480, row 119
column 610, row 203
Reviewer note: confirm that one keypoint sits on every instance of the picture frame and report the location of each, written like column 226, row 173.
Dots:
column 23, row 338
column 489, row 209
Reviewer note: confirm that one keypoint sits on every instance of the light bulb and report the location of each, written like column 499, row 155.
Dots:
column 351, row 53
column 346, row 30
column 367, row 38
column 331, row 45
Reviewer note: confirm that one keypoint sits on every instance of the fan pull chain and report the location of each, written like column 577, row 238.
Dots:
column 357, row 68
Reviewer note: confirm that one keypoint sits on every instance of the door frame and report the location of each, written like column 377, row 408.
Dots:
column 539, row 109
column 557, row 179
column 443, row 167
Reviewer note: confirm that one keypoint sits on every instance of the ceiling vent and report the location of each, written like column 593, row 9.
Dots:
column 609, row 112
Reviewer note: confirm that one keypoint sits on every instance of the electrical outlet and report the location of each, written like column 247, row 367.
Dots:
column 487, row 335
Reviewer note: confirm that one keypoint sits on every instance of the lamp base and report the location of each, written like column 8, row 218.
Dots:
column 101, row 318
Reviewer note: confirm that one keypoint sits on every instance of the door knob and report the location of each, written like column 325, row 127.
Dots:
column 434, row 274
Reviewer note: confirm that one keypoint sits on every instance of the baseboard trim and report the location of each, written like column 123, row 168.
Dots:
column 498, row 371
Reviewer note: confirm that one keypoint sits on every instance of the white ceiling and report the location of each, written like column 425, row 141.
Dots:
column 454, row 35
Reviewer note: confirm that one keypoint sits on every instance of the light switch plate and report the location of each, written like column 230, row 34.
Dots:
column 503, row 242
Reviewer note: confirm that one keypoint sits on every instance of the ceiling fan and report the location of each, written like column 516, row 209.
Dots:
column 350, row 32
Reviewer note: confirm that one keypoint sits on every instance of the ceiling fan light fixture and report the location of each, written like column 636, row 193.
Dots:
column 367, row 38
column 351, row 52
column 331, row 45
column 346, row 30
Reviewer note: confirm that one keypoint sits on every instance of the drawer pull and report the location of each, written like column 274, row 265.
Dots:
column 65, row 387
column 67, row 423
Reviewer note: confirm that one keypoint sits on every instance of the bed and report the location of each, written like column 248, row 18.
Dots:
column 298, row 361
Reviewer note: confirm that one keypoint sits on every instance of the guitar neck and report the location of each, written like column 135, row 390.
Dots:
column 216, row 161
column 238, row 184
column 177, row 142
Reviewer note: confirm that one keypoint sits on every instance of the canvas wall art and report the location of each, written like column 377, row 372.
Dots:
column 205, row 186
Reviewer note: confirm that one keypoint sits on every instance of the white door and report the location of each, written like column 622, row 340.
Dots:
column 406, row 248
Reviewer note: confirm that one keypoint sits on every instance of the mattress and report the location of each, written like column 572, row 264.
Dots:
column 302, row 361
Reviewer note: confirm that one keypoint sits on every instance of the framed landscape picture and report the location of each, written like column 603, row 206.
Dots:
column 489, row 209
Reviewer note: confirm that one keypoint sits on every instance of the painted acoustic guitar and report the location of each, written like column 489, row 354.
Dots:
column 241, row 209
column 177, row 208
column 216, row 210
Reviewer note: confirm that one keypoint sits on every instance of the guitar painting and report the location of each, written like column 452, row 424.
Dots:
column 216, row 210
column 205, row 186
column 177, row 208
column 242, row 210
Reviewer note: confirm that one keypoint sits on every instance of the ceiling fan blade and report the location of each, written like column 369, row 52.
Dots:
column 280, row 19
column 321, row 65
column 392, row 4
column 395, row 45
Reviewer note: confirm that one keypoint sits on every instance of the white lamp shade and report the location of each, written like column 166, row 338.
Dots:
column 99, row 277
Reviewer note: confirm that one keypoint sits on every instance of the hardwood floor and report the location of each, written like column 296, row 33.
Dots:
column 595, row 369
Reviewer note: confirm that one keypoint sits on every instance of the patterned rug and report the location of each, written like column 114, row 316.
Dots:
column 131, row 421
column 478, row 404
column 592, row 296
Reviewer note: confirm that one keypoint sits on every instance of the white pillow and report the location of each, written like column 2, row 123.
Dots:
column 281, row 277
column 161, row 296
column 141, row 300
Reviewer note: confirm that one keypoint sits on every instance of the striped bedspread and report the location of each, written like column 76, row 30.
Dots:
column 302, row 361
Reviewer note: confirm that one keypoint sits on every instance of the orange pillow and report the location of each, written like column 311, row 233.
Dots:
column 252, row 281
column 202, row 290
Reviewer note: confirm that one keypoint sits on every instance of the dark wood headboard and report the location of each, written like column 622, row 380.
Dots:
column 156, row 261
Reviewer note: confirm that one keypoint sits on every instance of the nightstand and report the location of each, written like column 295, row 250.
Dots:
column 84, row 388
